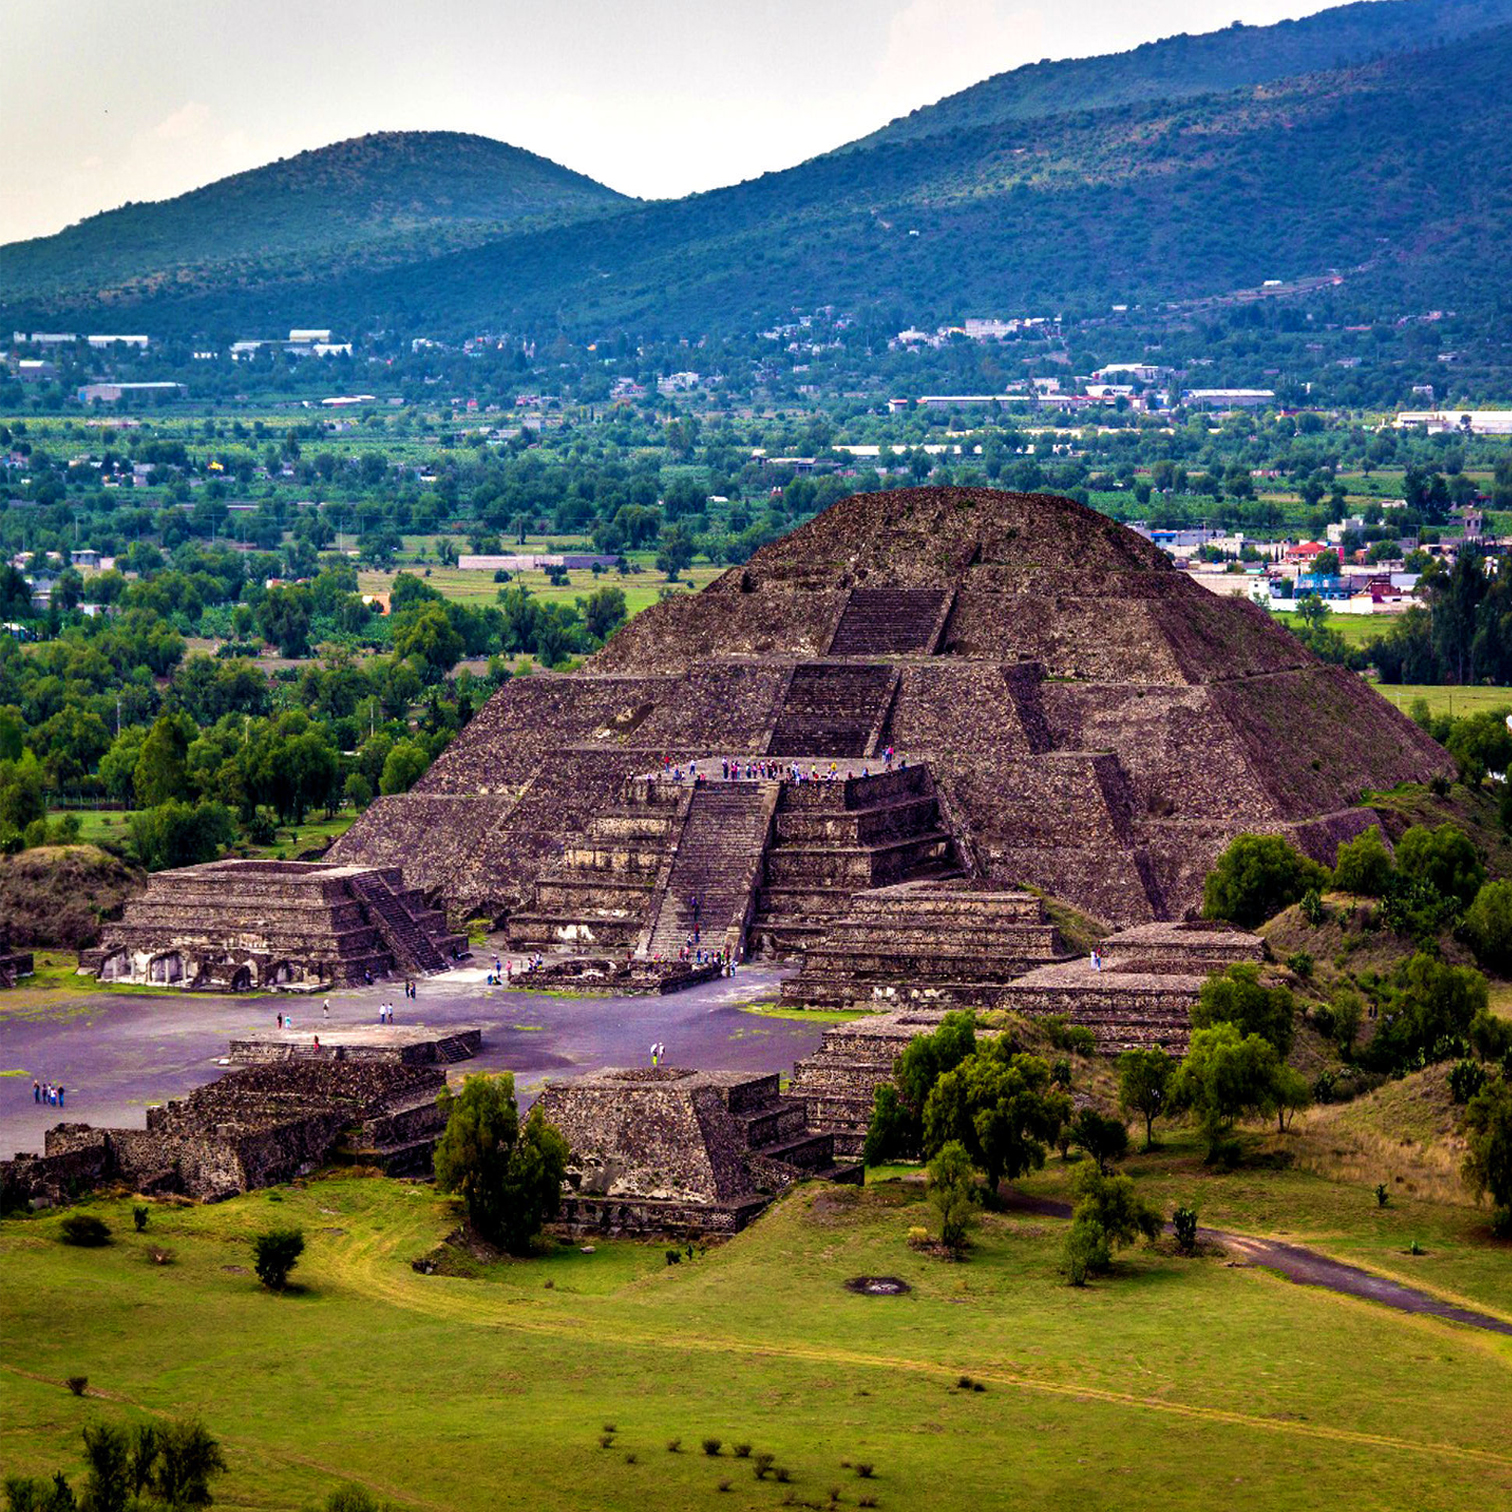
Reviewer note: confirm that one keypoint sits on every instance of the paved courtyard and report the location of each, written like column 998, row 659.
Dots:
column 115, row 1053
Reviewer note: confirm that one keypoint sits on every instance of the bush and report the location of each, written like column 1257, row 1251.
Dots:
column 1104, row 1139
column 275, row 1253
column 741, row 1451
column 1488, row 926
column 1488, row 1133
column 1466, row 1078
column 1256, row 877
column 1107, row 1216
column 954, row 1195
column 1444, row 859
column 1300, row 964
column 1184, row 1221
column 84, row 1230
column 712, row 1446
column 1238, row 997
column 139, row 1218
column 77, row 1384
column 1076, row 1038
column 1363, row 866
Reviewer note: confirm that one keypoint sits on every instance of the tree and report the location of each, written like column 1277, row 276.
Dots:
column 1363, row 866
column 675, row 553
column 188, row 1457
column 1144, row 1086
column 403, row 767
column 1444, row 859
column 1001, row 1105
column 508, row 1176
column 1225, row 1075
column 162, row 772
column 181, row 834
column 1256, row 877
column 1488, row 926
column 1289, row 1093
column 426, row 636
column 604, row 611
column 107, row 1453
column 1239, row 997
column 1104, row 1139
column 275, row 1253
column 954, row 1195
column 1488, row 1161
column 284, row 618
column 1107, row 1216
column 21, row 797
column 896, row 1131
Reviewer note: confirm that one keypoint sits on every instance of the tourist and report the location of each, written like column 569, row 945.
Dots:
column 36, row 1091
column 326, row 1010
column 280, row 1021
column 1096, row 959
column 60, row 1095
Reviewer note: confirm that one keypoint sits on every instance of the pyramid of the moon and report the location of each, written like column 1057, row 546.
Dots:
column 1074, row 713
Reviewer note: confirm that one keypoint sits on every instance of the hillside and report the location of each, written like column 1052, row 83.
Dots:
column 1179, row 67
column 1397, row 168
column 1393, row 172
column 373, row 201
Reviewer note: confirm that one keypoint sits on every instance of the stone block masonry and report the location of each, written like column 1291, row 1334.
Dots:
column 252, row 1128
column 235, row 925
column 664, row 1150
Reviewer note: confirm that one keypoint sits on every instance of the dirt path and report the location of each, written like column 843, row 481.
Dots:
column 1305, row 1267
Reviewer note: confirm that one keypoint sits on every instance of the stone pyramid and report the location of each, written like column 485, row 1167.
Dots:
column 1091, row 722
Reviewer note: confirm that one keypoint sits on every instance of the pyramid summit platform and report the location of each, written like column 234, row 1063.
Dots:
column 1074, row 713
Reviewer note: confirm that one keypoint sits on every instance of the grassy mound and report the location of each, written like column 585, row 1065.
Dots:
column 59, row 895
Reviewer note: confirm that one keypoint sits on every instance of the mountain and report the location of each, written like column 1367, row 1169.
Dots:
column 1392, row 170
column 1178, row 67
column 372, row 201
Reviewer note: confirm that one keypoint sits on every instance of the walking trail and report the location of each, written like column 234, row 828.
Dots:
column 1305, row 1267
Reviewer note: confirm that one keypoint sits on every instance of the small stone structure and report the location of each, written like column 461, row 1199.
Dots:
column 252, row 1128
column 233, row 926
column 1143, row 994
column 396, row 1044
column 924, row 945
column 14, row 964
column 663, row 1150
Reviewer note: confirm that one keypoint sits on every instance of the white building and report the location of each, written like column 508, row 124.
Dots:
column 1477, row 422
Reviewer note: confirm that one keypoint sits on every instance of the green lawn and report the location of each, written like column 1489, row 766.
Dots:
column 641, row 589
column 1446, row 700
column 1355, row 628
column 1187, row 1384
column 97, row 825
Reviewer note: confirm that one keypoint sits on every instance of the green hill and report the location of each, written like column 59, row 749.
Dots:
column 1179, row 67
column 372, row 201
column 1392, row 171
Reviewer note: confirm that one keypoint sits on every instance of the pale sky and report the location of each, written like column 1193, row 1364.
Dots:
column 105, row 101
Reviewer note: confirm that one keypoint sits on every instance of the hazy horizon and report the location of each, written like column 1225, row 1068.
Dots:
column 168, row 96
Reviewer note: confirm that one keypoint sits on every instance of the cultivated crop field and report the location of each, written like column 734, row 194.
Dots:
column 1175, row 1383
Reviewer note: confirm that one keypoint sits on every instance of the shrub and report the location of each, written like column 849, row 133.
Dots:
column 674, row 1446
column 1383, row 1197
column 954, row 1195
column 1256, row 877
column 1239, row 997
column 354, row 1499
column 711, row 1446
column 1444, row 858
column 1300, row 964
column 1466, row 1078
column 674, row 1257
column 1076, row 1038
column 724, row 1485
column 77, row 1384
column 763, row 1463
column 1488, row 1163
column 160, row 1256
column 781, row 1472
column 84, row 1230
column 1313, row 908
column 865, row 1469
column 741, row 1451
column 1488, row 926
column 275, row 1253
column 1184, row 1221
column 139, row 1217
column 606, row 1441
column 1363, row 866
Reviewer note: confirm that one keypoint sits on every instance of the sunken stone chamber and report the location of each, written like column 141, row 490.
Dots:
column 237, row 925
column 664, row 1150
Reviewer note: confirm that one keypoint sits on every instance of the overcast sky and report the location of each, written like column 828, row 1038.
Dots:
column 104, row 101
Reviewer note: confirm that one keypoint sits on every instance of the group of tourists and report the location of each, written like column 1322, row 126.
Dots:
column 385, row 1013
column 47, row 1092
column 764, row 769
column 658, row 1053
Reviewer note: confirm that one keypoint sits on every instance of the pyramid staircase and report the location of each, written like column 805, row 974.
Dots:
column 833, row 709
column 718, row 861
column 389, row 913
column 890, row 622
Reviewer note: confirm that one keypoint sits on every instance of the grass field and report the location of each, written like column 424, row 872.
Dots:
column 641, row 588
column 1446, row 700
column 1355, row 628
column 100, row 825
column 1174, row 1384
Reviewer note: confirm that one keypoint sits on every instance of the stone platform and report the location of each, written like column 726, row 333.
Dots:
column 398, row 1044
column 667, row 1150
column 14, row 964
column 231, row 926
